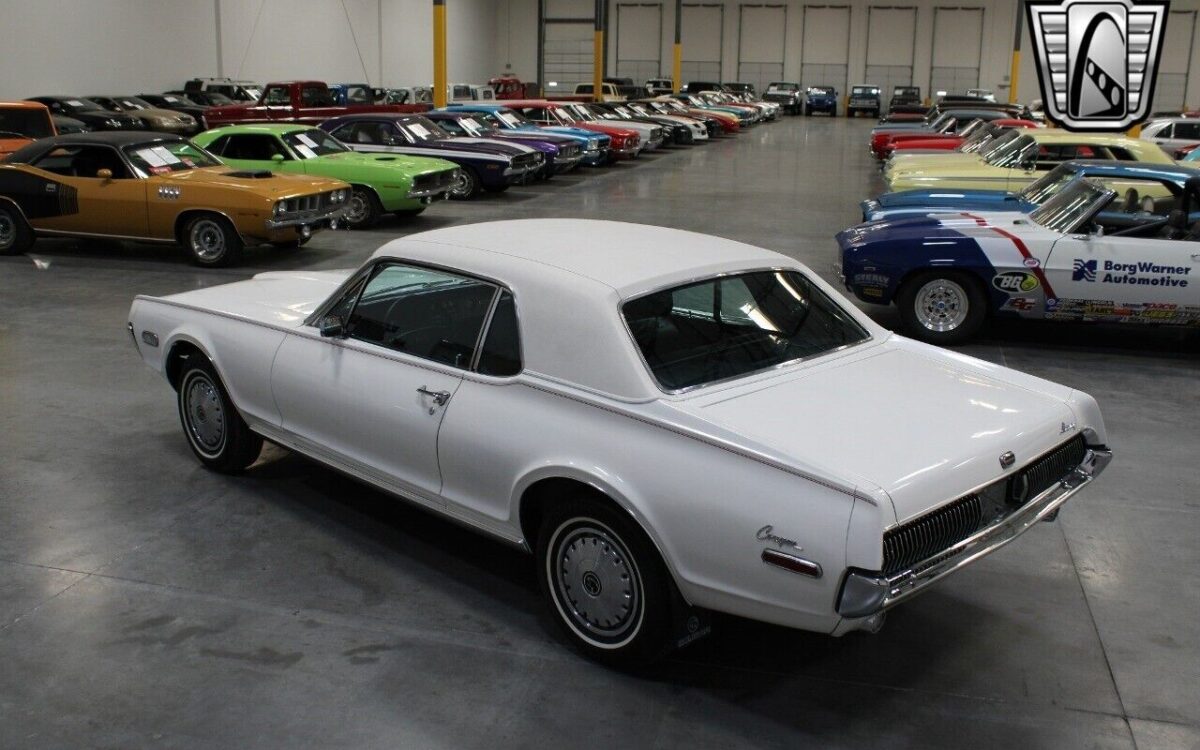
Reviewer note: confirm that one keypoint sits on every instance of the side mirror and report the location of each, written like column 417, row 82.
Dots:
column 332, row 327
column 104, row 174
column 277, row 157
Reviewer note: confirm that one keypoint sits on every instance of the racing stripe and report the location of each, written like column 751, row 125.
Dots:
column 1023, row 250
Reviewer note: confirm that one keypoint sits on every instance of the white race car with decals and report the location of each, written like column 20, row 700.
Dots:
column 1079, row 256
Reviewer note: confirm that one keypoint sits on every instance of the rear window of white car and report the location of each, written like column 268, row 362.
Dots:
column 731, row 326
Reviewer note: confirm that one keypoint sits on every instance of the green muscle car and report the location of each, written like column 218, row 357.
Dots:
column 397, row 183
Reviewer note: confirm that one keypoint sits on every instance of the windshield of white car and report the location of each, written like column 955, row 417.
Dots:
column 310, row 144
column 1073, row 206
column 732, row 326
column 168, row 156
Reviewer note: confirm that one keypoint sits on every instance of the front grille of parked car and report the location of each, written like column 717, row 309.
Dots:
column 568, row 150
column 433, row 180
column 656, row 134
column 306, row 206
column 924, row 537
column 526, row 161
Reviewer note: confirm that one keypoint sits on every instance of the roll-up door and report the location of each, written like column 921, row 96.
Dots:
column 957, row 50
column 891, row 47
column 825, row 48
column 639, row 40
column 761, row 39
column 1179, row 54
column 568, row 33
column 703, row 26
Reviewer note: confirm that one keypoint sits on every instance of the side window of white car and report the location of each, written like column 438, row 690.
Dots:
column 424, row 312
column 500, row 354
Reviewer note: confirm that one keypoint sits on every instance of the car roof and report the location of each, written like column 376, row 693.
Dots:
column 569, row 278
column 628, row 258
column 1150, row 170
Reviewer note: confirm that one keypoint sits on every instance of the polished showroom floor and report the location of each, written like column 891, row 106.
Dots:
column 146, row 602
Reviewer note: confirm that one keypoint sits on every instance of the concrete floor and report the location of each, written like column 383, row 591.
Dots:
column 146, row 602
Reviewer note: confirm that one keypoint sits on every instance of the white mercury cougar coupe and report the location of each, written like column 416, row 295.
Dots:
column 672, row 423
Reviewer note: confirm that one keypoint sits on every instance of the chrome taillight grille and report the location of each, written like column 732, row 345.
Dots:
column 924, row 537
column 1040, row 475
column 933, row 532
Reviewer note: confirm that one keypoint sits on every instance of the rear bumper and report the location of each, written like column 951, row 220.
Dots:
column 865, row 594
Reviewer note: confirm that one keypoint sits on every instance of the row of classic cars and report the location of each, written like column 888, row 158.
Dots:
column 318, row 165
column 1026, row 222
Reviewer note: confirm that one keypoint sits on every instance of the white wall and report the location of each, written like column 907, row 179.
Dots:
column 516, row 38
column 80, row 47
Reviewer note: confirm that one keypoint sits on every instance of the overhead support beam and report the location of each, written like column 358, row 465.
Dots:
column 1015, row 72
column 439, row 53
column 677, row 63
column 598, row 54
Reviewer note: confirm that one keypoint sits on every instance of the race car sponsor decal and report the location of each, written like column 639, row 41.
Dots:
column 1015, row 282
column 993, row 252
column 1111, row 311
column 873, row 279
column 1020, row 304
column 1141, row 273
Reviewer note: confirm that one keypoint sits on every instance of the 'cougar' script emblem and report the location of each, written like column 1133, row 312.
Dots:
column 766, row 534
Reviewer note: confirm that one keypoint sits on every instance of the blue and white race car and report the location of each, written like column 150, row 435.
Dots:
column 1082, row 255
column 1123, row 176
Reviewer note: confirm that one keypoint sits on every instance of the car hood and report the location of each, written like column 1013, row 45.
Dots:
column 168, row 114
column 950, row 198
column 943, row 162
column 925, row 425
column 274, row 186
column 483, row 146
column 381, row 162
column 277, row 298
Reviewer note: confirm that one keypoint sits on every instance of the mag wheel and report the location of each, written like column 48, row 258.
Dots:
column 942, row 307
column 212, row 240
column 606, row 585
column 363, row 208
column 466, row 185
column 214, row 429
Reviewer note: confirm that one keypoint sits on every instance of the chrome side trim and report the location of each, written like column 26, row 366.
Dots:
column 792, row 563
column 132, row 238
column 886, row 592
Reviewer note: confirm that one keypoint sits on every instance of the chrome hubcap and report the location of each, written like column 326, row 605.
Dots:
column 597, row 584
column 462, row 185
column 941, row 305
column 356, row 208
column 8, row 231
column 208, row 240
column 205, row 414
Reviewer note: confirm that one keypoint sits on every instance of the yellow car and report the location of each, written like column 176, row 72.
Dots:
column 1014, row 160
column 153, row 187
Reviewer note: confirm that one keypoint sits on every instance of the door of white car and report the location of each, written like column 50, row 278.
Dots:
column 1124, row 273
column 374, row 395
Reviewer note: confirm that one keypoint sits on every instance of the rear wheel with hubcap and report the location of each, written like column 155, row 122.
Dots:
column 942, row 307
column 214, row 429
column 607, row 587
column 212, row 240
column 15, row 234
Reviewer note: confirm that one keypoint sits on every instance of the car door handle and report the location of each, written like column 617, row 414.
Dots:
column 439, row 397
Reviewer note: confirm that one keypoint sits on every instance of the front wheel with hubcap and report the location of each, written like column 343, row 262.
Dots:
column 606, row 585
column 942, row 307
column 212, row 240
column 363, row 208
column 215, row 430
column 15, row 234
column 466, row 185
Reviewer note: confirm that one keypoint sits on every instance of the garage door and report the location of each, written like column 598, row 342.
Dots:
column 639, row 40
column 703, row 26
column 1178, row 56
column 891, row 47
column 957, row 50
column 569, row 31
column 761, row 39
column 825, row 48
